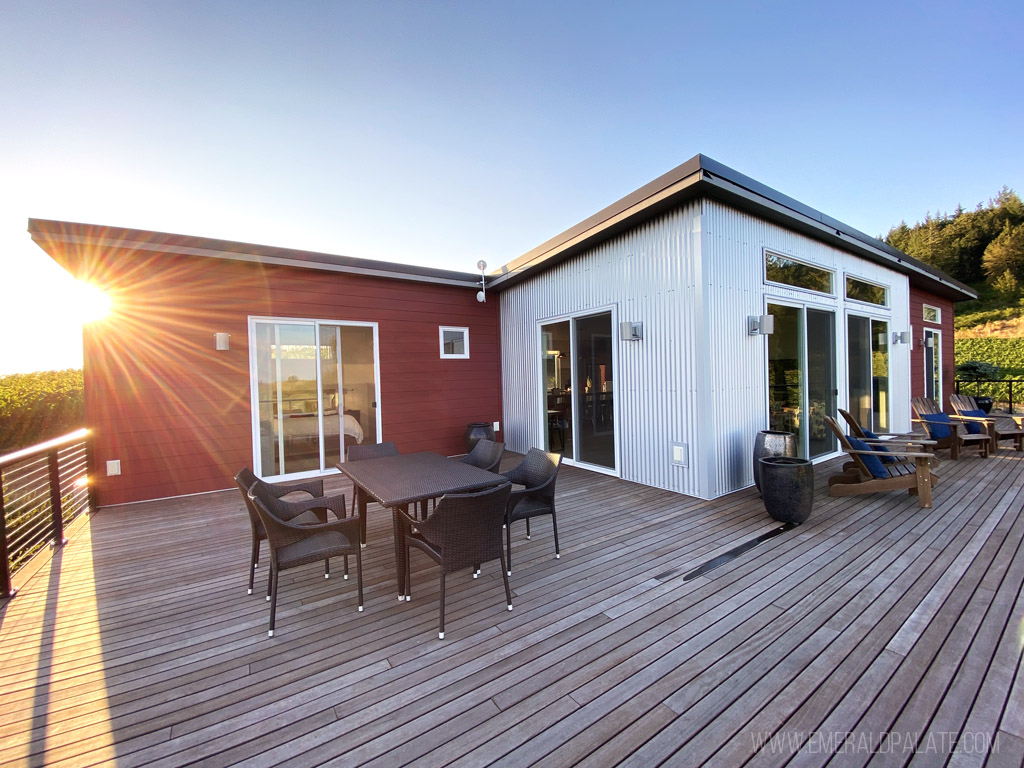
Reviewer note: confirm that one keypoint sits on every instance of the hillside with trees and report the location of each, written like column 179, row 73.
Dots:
column 983, row 248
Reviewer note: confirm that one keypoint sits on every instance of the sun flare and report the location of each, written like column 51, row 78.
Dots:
column 93, row 303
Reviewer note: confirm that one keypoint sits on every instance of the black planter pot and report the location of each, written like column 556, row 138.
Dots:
column 984, row 403
column 769, row 442
column 787, row 488
column 477, row 431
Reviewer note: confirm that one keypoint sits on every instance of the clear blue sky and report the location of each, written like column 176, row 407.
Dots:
column 444, row 132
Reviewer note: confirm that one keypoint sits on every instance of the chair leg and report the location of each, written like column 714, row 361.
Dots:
column 407, row 576
column 554, row 529
column 327, row 569
column 345, row 574
column 476, row 570
column 504, row 577
column 508, row 547
column 273, row 600
column 440, row 632
column 527, row 529
column 359, row 574
column 252, row 562
column 270, row 580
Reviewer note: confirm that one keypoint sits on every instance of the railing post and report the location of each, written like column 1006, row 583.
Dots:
column 56, row 507
column 1011, row 395
column 90, row 473
column 6, row 590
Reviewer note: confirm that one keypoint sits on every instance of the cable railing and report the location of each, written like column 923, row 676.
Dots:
column 43, row 488
column 1000, row 390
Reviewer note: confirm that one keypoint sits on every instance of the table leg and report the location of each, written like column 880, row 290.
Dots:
column 361, row 507
column 400, row 564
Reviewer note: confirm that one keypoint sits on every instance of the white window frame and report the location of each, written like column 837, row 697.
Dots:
column 938, row 314
column 465, row 341
column 859, row 302
column 766, row 252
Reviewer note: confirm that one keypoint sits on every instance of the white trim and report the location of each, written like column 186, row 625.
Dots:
column 254, row 389
column 859, row 302
column 936, row 361
column 765, row 252
column 612, row 310
column 465, row 341
column 938, row 314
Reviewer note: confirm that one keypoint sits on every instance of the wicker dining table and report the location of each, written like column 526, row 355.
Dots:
column 396, row 482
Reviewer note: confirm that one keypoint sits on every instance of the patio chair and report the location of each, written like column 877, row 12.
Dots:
column 463, row 531
column 370, row 451
column 486, row 454
column 877, row 468
column 1008, row 427
column 292, row 545
column 860, row 433
column 953, row 432
column 245, row 480
column 538, row 472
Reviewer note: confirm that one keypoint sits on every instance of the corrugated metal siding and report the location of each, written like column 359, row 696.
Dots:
column 649, row 275
column 734, row 244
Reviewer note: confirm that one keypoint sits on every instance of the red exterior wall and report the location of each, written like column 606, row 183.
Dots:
column 177, row 413
column 918, row 299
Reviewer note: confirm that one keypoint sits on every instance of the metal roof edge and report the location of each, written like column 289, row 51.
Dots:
column 52, row 231
column 701, row 175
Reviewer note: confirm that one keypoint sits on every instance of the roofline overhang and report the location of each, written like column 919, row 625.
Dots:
column 50, row 234
column 700, row 176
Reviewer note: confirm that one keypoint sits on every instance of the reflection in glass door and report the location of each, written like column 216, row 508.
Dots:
column 316, row 393
column 868, row 371
column 579, row 385
column 933, row 365
column 801, row 377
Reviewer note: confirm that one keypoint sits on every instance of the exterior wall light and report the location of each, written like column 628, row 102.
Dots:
column 901, row 337
column 481, row 295
column 760, row 325
column 221, row 341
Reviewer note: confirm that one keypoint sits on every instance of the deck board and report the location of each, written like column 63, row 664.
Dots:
column 137, row 644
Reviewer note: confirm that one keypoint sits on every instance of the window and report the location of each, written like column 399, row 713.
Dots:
column 781, row 269
column 932, row 314
column 454, row 342
column 870, row 293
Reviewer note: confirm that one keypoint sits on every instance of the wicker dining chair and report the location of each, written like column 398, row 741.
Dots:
column 245, row 480
column 369, row 451
column 292, row 545
column 486, row 454
column 538, row 472
column 463, row 531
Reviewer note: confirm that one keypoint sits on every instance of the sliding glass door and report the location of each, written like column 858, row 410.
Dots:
column 315, row 392
column 868, row 371
column 577, row 364
column 802, row 376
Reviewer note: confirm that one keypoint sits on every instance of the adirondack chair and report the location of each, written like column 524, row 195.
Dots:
column 999, row 427
column 875, row 468
column 950, row 431
column 863, row 434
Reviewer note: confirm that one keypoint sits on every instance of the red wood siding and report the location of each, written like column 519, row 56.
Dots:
column 176, row 413
column 918, row 299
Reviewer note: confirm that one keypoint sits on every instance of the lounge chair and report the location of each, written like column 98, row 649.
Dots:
column 953, row 432
column 1008, row 427
column 876, row 468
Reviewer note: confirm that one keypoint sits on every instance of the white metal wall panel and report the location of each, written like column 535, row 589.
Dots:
column 650, row 275
column 733, row 247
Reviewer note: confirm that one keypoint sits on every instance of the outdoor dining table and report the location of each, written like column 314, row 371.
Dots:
column 396, row 482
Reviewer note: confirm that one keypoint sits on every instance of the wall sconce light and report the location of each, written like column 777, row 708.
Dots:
column 481, row 295
column 220, row 341
column 631, row 331
column 930, row 342
column 901, row 337
column 760, row 325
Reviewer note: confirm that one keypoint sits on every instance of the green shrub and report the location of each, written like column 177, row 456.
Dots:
column 39, row 406
column 1006, row 354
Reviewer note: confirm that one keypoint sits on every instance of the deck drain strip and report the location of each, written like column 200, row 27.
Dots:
column 732, row 554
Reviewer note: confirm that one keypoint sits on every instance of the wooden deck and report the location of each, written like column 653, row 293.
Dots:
column 875, row 633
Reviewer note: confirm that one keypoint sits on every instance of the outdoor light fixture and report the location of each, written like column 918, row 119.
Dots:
column 221, row 343
column 481, row 295
column 760, row 325
column 901, row 337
